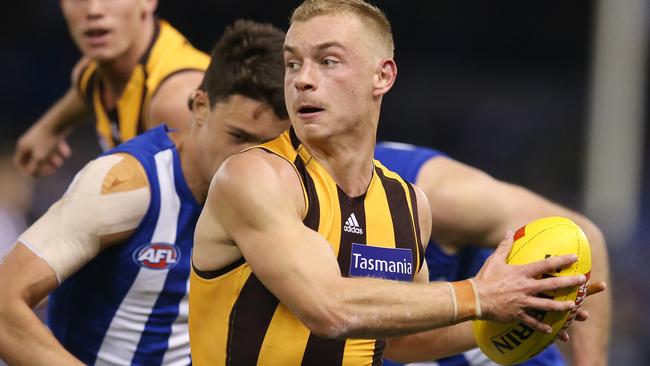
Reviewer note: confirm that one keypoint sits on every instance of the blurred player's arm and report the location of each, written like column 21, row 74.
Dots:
column 103, row 205
column 169, row 104
column 434, row 343
column 42, row 149
column 299, row 267
column 471, row 207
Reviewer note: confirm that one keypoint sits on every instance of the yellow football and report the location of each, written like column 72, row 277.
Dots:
column 513, row 343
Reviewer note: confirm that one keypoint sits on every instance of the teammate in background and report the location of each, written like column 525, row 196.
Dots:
column 135, row 73
column 291, row 230
column 470, row 207
column 117, row 244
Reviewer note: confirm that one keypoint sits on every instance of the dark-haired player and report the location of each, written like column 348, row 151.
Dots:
column 136, row 72
column 117, row 244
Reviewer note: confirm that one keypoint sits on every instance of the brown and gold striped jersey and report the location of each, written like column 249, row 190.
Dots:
column 168, row 54
column 235, row 320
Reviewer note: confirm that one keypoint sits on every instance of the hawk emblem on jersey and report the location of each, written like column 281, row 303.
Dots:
column 157, row 256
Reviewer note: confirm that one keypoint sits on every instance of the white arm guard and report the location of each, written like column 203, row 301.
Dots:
column 110, row 195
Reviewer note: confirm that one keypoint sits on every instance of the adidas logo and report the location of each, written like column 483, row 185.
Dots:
column 352, row 225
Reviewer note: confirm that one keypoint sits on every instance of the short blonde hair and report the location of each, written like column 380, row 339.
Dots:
column 369, row 14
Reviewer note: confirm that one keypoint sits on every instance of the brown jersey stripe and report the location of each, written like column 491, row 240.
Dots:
column 144, row 114
column 156, row 33
column 312, row 218
column 323, row 351
column 378, row 355
column 295, row 142
column 246, row 333
column 93, row 81
column 416, row 221
column 114, row 120
column 349, row 206
column 399, row 210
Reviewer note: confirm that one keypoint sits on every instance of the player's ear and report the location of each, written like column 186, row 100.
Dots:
column 199, row 103
column 384, row 78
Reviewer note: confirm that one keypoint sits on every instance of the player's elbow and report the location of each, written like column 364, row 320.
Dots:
column 594, row 234
column 9, row 313
column 325, row 328
column 331, row 317
column 328, row 322
column 396, row 351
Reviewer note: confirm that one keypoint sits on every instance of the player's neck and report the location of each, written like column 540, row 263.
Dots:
column 115, row 74
column 349, row 160
column 190, row 163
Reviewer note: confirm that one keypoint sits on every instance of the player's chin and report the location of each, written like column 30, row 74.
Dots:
column 100, row 52
column 100, row 55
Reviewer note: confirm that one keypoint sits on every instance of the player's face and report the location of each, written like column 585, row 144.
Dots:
column 106, row 29
column 329, row 74
column 235, row 124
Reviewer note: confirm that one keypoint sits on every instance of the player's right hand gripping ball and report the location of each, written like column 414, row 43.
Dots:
column 515, row 342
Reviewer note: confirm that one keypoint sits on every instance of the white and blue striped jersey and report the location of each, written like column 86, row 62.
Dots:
column 128, row 306
column 407, row 160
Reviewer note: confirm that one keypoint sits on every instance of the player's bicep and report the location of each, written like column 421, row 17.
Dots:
column 294, row 262
column 465, row 206
column 24, row 275
column 259, row 217
column 107, row 200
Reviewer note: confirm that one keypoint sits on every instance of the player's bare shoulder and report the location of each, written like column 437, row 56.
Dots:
column 256, row 170
column 248, row 189
column 115, row 189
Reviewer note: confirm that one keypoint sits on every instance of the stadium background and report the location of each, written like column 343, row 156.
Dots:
column 501, row 85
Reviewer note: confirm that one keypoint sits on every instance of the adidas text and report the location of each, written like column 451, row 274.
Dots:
column 350, row 229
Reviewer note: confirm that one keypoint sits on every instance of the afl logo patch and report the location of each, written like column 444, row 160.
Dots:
column 157, row 256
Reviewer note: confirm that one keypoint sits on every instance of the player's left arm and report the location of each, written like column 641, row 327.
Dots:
column 471, row 207
column 102, row 207
column 435, row 343
column 169, row 104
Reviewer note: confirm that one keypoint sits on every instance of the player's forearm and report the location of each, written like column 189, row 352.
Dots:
column 590, row 339
column 63, row 114
column 24, row 340
column 369, row 308
column 431, row 345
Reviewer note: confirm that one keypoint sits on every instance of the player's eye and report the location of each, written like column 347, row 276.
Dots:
column 330, row 62
column 292, row 65
column 238, row 137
